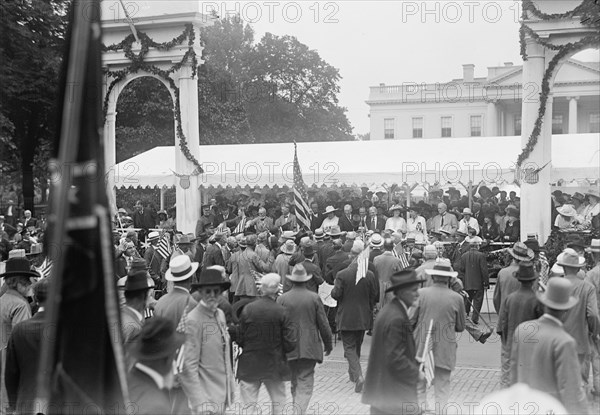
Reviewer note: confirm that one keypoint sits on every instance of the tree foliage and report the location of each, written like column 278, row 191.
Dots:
column 31, row 47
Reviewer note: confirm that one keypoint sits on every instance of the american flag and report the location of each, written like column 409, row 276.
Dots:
column 164, row 248
column 46, row 267
column 363, row 264
column 428, row 364
column 178, row 368
column 300, row 195
column 240, row 226
column 398, row 252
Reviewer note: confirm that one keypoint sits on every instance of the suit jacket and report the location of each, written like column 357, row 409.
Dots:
column 386, row 264
column 346, row 225
column 518, row 307
column 392, row 372
column 131, row 327
column 379, row 224
column 582, row 320
column 172, row 304
column 334, row 264
column 265, row 335
column 231, row 221
column 309, row 321
column 263, row 224
column 325, row 251
column 146, row 219
column 14, row 308
column 213, row 256
column 544, row 356
column 447, row 310
column 312, row 284
column 145, row 394
column 291, row 221
column 22, row 360
column 450, row 223
column 153, row 259
column 207, row 375
column 316, row 221
column 512, row 232
column 473, row 264
column 29, row 222
column 244, row 265
column 202, row 222
column 506, row 284
column 355, row 301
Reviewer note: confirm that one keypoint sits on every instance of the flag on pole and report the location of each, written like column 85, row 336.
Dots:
column 83, row 369
column 300, row 195
column 46, row 267
column 399, row 253
column 241, row 226
column 427, row 362
column 363, row 264
column 164, row 248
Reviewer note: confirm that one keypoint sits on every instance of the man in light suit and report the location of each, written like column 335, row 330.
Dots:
column 544, row 355
column 262, row 223
column 446, row 309
column 444, row 220
column 286, row 219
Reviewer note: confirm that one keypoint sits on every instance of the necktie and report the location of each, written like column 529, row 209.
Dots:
column 373, row 222
column 442, row 223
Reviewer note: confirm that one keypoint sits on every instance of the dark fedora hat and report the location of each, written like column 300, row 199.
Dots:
column 309, row 250
column 211, row 277
column 576, row 241
column 137, row 280
column 18, row 267
column 403, row 278
column 158, row 339
column 526, row 271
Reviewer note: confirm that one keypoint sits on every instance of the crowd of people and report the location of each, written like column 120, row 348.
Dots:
column 254, row 298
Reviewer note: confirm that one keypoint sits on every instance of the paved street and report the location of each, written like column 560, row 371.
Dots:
column 477, row 375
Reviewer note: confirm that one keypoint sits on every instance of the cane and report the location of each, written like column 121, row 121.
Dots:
column 475, row 310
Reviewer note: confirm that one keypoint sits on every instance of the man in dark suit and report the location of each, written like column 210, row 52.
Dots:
column 143, row 217
column 356, row 301
column 316, row 219
column 225, row 215
column 23, row 353
column 375, row 222
column 333, row 264
column 151, row 377
column 346, row 223
column 214, row 253
column 393, row 370
column 28, row 220
column 473, row 268
column 153, row 259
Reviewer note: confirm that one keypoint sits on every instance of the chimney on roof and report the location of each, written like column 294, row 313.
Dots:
column 468, row 72
column 508, row 64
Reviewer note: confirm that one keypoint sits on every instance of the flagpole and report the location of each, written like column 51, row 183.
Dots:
column 67, row 152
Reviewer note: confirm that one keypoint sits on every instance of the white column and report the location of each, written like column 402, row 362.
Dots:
column 573, row 115
column 492, row 119
column 188, row 200
column 535, row 198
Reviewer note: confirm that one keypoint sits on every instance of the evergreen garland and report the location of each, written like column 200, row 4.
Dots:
column 590, row 16
column 138, row 64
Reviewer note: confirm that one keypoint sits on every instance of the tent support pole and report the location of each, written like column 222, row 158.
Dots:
column 162, row 198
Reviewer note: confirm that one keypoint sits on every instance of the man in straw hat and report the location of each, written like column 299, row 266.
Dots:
column 151, row 377
column 550, row 363
column 153, row 259
column 356, row 299
column 393, row 370
column 446, row 308
column 581, row 321
column 207, row 376
column 308, row 318
column 593, row 277
column 263, row 359
column 521, row 305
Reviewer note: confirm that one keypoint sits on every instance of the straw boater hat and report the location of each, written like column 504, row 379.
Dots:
column 570, row 258
column 299, row 274
column 442, row 268
column 181, row 268
column 521, row 252
column 376, row 241
column 329, row 209
column 36, row 249
column 567, row 210
column 558, row 294
column 594, row 246
column 403, row 278
column 152, row 236
column 467, row 211
column 319, row 234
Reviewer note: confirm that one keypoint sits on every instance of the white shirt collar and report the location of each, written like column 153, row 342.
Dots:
column 557, row 321
column 137, row 313
column 181, row 288
column 154, row 375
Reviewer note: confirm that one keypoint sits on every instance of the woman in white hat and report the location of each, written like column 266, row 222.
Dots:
column 396, row 222
column 331, row 220
column 567, row 217
column 592, row 210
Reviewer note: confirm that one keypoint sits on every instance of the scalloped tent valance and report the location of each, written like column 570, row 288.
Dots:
column 365, row 163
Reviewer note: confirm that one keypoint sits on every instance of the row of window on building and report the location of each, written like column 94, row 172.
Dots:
column 476, row 126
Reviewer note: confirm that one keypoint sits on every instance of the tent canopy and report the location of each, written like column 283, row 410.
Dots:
column 575, row 157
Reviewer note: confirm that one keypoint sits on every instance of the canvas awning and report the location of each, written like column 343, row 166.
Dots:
column 575, row 157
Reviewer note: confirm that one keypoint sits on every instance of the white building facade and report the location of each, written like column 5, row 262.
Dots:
column 486, row 107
